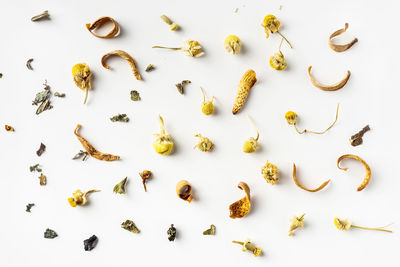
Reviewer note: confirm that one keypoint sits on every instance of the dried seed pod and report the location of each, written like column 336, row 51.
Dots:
column 305, row 188
column 145, row 176
column 163, row 144
column 345, row 225
column 252, row 144
column 367, row 177
column 191, row 48
column 79, row 198
column 246, row 83
column 270, row 173
column 9, row 128
column 44, row 15
column 233, row 44
column 296, row 222
column 82, row 77
column 99, row 23
column 184, row 191
column 241, row 207
column 204, row 144
column 248, row 246
column 344, row 47
column 207, row 107
column 125, row 56
column 333, row 87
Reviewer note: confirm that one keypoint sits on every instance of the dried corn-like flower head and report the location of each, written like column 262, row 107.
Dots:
column 233, row 44
column 246, row 83
column 191, row 48
column 270, row 173
column 82, row 75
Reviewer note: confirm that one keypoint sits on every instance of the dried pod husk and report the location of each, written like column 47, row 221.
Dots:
column 344, row 47
column 204, row 144
column 367, row 177
column 184, row 191
column 270, row 173
column 125, row 56
column 241, row 207
column 246, row 83
column 333, row 87
column 82, row 77
column 305, row 188
column 99, row 23
column 233, row 44
column 163, row 144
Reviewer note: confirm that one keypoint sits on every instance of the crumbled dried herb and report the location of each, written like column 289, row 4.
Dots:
column 135, row 95
column 150, row 67
column 42, row 179
column 35, row 168
column 120, row 118
column 210, row 231
column 59, row 94
column 50, row 234
column 44, row 15
column 145, row 176
column 29, row 207
column 171, row 233
column 130, row 226
column 43, row 98
column 179, row 86
column 9, row 128
column 81, row 154
column 120, row 187
column 357, row 139
column 41, row 149
column 270, row 173
column 90, row 243
column 28, row 64
column 296, row 222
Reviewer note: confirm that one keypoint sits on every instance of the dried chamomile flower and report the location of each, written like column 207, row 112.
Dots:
column 367, row 177
column 204, row 144
column 171, row 233
column 172, row 25
column 291, row 118
column 207, row 107
column 252, row 144
column 145, row 176
column 127, row 57
column 210, row 231
column 130, row 226
column 278, row 61
column 332, row 87
column 99, row 23
column 246, row 83
column 271, row 25
column 357, row 139
column 241, row 207
column 305, row 188
column 338, row 47
column 233, row 44
column 191, row 48
column 296, row 222
column 247, row 245
column 345, row 225
column 82, row 75
column 9, row 128
column 79, row 198
column 163, row 144
column 270, row 173
column 120, row 187
column 184, row 191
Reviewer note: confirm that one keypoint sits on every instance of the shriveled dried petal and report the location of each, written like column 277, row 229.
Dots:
column 241, row 207
column 367, row 177
column 344, row 47
column 304, row 188
column 333, row 87
column 99, row 23
column 125, row 56
column 9, row 128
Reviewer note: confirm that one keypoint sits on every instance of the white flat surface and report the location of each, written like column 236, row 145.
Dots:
column 370, row 97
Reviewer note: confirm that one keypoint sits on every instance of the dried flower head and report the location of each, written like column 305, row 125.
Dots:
column 345, row 225
column 145, row 176
column 272, row 25
column 278, row 61
column 191, row 48
column 270, row 173
column 82, row 75
column 252, row 144
column 79, row 198
column 291, row 117
column 163, row 144
column 207, row 107
column 296, row 222
column 233, row 44
column 247, row 245
column 204, row 144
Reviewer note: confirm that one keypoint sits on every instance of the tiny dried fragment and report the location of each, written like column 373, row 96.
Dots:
column 207, row 107
column 296, row 222
column 1, row 75
column 82, row 78
column 99, row 23
column 42, row 179
column 241, row 207
column 130, row 226
column 210, row 231
column 35, row 168
column 120, row 187
column 180, row 85
column 204, row 144
column 50, row 234
column 41, row 149
column 345, row 225
column 367, row 177
column 173, row 25
column 270, row 173
column 81, row 154
column 58, row 94
column 135, row 95
column 233, row 44
column 29, row 207
column 357, row 139
column 125, row 56
column 333, row 87
column 246, row 83
column 344, row 47
column 91, row 150
column 28, row 64
column 79, row 198
column 120, row 118
column 305, row 188
column 44, row 15
column 145, row 176
column 184, row 191
column 43, row 98
column 9, row 128
column 90, row 243
column 163, row 144
column 248, row 246
column 150, row 67
column 272, row 25
column 191, row 48
column 252, row 144
column 171, row 233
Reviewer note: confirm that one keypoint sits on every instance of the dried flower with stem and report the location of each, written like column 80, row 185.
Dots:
column 79, row 198
column 272, row 25
column 252, row 144
column 246, row 83
column 184, row 191
column 207, row 107
column 367, row 177
column 247, row 245
column 145, row 176
column 241, row 207
column 345, row 225
column 296, row 222
column 163, row 144
column 270, row 173
column 204, row 144
column 191, row 48
column 278, row 61
column 233, row 44
column 120, row 187
column 172, row 25
column 82, row 78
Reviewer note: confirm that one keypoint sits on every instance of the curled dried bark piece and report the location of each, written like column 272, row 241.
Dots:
column 344, row 47
column 332, row 87
column 367, row 169
column 246, row 83
column 125, row 56
column 93, row 151
column 304, row 188
column 241, row 207
column 100, row 22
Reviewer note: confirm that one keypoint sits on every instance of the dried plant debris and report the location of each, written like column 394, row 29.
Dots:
column 150, row 67
column 50, row 234
column 130, row 226
column 99, row 23
column 296, row 222
column 90, row 243
column 120, row 187
column 42, row 16
column 135, row 96
column 81, row 154
column 270, row 173
column 42, row 179
column 333, row 87
column 125, row 56
column 43, row 98
column 120, row 118
column 207, row 107
column 35, row 168
column 163, row 144
column 248, row 246
column 79, row 198
column 184, row 191
column 272, row 25
column 171, row 233
column 29, row 207
column 204, row 144
column 357, row 139
column 251, row 145
column 93, row 151
column 241, row 207
column 210, row 231
column 58, row 94
column 367, row 177
column 41, row 149
column 246, row 83
column 1, row 75
column 190, row 48
column 233, row 44
column 145, row 175
column 172, row 25
column 305, row 188
column 278, row 61
column 9, row 128
column 180, row 85
column 28, row 64
column 345, row 225
column 82, row 78
column 338, row 47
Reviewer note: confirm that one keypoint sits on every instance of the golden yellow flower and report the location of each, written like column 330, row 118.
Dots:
column 278, row 61
column 270, row 173
column 233, row 44
column 291, row 117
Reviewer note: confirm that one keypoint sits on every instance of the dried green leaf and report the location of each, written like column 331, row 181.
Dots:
column 50, row 234
column 41, row 16
column 41, row 97
column 29, row 206
column 120, row 117
column 210, row 231
column 35, row 168
column 81, row 154
column 135, row 95
column 59, row 94
column 44, row 106
column 180, row 85
column 120, row 187
column 28, row 64
column 130, row 226
column 42, row 179
column 150, row 67
column 41, row 149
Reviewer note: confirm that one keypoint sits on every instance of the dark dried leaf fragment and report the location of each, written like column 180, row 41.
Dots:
column 180, row 85
column 150, row 67
column 28, row 64
column 59, row 94
column 171, row 233
column 357, row 139
column 135, row 95
column 130, row 226
column 41, row 149
column 29, row 207
column 81, row 154
column 120, row 118
column 90, row 243
column 35, row 168
column 50, row 234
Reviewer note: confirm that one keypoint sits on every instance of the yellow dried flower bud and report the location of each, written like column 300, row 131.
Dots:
column 82, row 75
column 174, row 27
column 72, row 202
column 270, row 173
column 233, row 44
column 207, row 107
column 291, row 117
column 271, row 24
column 163, row 144
column 79, row 198
column 278, row 61
column 250, row 145
column 204, row 143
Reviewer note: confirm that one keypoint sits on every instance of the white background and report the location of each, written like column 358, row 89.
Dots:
column 370, row 97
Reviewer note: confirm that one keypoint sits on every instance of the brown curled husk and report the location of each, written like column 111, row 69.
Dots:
column 367, row 169
column 125, row 56
column 305, row 188
column 343, row 47
column 93, row 151
column 333, row 87
column 100, row 22
column 241, row 207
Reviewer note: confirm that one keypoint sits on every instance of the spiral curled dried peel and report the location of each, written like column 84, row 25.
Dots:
column 333, row 87
column 241, row 207
column 305, row 188
column 367, row 177
column 338, row 47
column 246, row 83
column 100, row 22
column 125, row 56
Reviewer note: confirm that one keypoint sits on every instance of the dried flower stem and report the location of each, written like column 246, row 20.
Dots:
column 172, row 48
column 285, row 39
column 254, row 127
column 308, row 131
column 375, row 229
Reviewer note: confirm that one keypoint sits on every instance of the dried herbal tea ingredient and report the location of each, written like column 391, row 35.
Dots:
column 145, row 176
column 296, row 222
column 90, row 243
column 241, row 207
column 184, row 191
column 59, row 94
column 210, row 231
column 35, row 168
column 1, row 75
column 204, row 144
column 28, row 64
column 120, row 187
column 291, row 118
column 127, row 58
column 91, row 150
column 29, row 207
column 163, row 144
column 44, row 106
column 278, row 61
column 81, row 154
column 344, row 47
column 233, row 44
column 333, row 87
column 41, row 149
column 248, row 246
column 120, row 117
column 357, row 139
column 246, row 83
column 43, row 98
column 82, row 78
column 272, row 25
column 135, row 95
column 180, row 85
column 50, row 234
column 130, row 226
column 270, row 173
column 99, row 23
column 42, row 179
column 171, row 233
column 367, row 177
column 235, row 10
column 173, row 25
column 79, row 198
column 191, row 48
column 252, row 144
column 150, row 67
column 305, row 188
column 9, row 128
column 44, row 15
column 345, row 225
column 207, row 107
